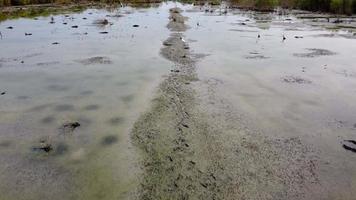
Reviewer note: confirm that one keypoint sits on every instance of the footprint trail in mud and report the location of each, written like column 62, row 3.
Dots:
column 162, row 133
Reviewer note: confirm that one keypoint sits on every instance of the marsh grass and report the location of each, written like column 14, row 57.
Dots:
column 36, row 11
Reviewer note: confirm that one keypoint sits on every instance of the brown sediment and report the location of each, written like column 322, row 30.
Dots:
column 195, row 146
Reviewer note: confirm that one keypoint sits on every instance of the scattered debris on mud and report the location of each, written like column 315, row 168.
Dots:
column 44, row 146
column 69, row 127
column 256, row 57
column 313, row 52
column 295, row 79
column 96, row 60
column 101, row 22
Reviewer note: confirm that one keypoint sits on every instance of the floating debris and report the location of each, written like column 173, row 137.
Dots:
column 349, row 145
column 135, row 25
column 69, row 127
column 104, row 32
column 43, row 146
column 2, row 93
column 55, row 43
column 75, row 26
column 10, row 27
column 101, row 22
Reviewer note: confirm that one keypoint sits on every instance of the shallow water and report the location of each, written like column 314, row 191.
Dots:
column 284, row 88
column 104, row 81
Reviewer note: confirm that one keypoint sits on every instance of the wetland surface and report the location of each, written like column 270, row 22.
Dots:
column 177, row 101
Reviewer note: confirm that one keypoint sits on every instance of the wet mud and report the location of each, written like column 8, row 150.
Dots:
column 193, row 149
column 70, row 135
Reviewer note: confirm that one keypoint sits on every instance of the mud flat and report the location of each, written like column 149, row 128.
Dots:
column 196, row 147
column 176, row 102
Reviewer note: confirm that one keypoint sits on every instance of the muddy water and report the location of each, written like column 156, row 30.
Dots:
column 301, row 87
column 78, row 68
column 61, row 74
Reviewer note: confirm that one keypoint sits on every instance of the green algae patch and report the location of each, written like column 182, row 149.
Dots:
column 38, row 11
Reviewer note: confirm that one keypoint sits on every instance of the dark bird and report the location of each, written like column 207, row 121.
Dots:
column 0, row 35
column 259, row 36
column 52, row 21
column 284, row 38
column 28, row 34
column 198, row 24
